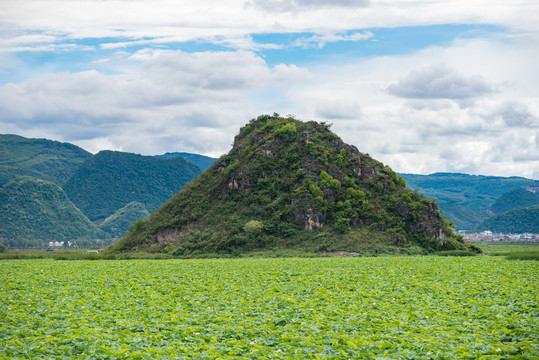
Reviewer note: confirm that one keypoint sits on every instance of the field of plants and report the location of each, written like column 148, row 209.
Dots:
column 323, row 308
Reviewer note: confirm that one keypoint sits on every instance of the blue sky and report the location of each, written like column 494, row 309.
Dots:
column 423, row 86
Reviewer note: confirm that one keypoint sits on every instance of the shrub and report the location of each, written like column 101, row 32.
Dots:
column 286, row 132
column 253, row 227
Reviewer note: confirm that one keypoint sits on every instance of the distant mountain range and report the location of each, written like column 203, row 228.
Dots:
column 46, row 182
column 469, row 200
column 55, row 191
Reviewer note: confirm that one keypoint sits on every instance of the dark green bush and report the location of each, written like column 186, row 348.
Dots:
column 455, row 253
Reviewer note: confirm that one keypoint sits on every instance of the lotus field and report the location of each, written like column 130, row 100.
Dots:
column 319, row 308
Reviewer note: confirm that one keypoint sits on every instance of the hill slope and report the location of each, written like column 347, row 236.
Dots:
column 522, row 220
column 203, row 162
column 464, row 218
column 41, row 158
column 118, row 223
column 518, row 198
column 111, row 179
column 292, row 185
column 34, row 212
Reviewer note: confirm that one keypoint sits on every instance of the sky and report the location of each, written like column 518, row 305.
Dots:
column 422, row 85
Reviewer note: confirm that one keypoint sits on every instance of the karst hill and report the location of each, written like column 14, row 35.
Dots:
column 289, row 185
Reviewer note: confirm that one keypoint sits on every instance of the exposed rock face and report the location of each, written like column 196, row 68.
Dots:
column 312, row 222
column 297, row 180
column 169, row 236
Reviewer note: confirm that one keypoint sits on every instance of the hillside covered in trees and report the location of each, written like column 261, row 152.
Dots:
column 35, row 211
column 520, row 220
column 518, row 198
column 288, row 184
column 110, row 180
column 44, row 159
column 466, row 199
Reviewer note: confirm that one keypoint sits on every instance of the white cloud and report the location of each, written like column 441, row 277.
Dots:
column 283, row 73
column 302, row 5
column 173, row 101
column 159, row 21
column 335, row 109
column 438, row 81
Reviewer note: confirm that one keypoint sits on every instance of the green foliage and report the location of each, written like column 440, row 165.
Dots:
column 342, row 156
column 421, row 307
column 325, row 180
column 35, row 212
column 406, row 198
column 43, row 159
column 253, row 227
column 401, row 181
column 110, row 180
column 2, row 248
column 522, row 220
column 286, row 131
column 518, row 198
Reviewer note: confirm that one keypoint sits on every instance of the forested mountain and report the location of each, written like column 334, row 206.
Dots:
column 110, row 180
column 521, row 220
column 41, row 158
column 34, row 212
column 465, row 199
column 292, row 185
column 518, row 198
column 476, row 192
column 118, row 223
column 203, row 162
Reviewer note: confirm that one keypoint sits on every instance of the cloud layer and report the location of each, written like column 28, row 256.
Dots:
column 152, row 77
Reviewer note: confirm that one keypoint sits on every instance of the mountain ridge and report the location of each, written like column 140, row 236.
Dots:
column 45, row 159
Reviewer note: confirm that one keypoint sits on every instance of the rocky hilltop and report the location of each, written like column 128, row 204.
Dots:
column 292, row 185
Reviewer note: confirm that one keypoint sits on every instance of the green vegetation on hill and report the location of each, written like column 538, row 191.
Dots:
column 203, row 162
column 475, row 192
column 110, row 180
column 118, row 223
column 518, row 198
column 462, row 217
column 34, row 212
column 41, row 158
column 293, row 185
column 521, row 220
